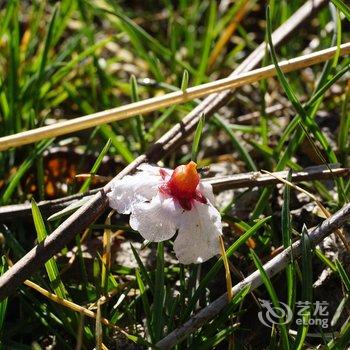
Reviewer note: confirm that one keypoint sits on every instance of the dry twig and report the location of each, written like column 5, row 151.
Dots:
column 256, row 178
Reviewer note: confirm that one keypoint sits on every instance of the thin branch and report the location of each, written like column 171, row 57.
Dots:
column 254, row 280
column 90, row 211
column 172, row 98
column 47, row 208
column 243, row 180
column 256, row 178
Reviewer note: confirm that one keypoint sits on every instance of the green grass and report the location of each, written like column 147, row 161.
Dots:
column 78, row 57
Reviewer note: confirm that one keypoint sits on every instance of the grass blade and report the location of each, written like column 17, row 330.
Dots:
column 159, row 292
column 200, row 75
column 287, row 242
column 14, row 63
column 140, row 130
column 306, row 284
column 212, row 342
column 184, row 82
column 344, row 127
column 43, row 60
column 343, row 275
column 339, row 310
column 227, row 312
column 95, row 167
column 145, row 303
column 3, row 304
column 325, row 260
column 71, row 208
column 142, row 270
column 243, row 152
column 272, row 293
column 343, row 8
column 197, row 138
column 117, row 142
column 50, row 265
column 24, row 167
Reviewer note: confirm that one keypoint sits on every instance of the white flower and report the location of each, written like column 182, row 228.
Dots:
column 162, row 202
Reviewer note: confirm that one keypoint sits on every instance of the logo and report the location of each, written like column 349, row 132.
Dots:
column 271, row 315
column 318, row 314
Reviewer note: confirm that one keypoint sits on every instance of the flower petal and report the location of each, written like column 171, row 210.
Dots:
column 156, row 220
column 207, row 191
column 148, row 168
column 132, row 189
column 199, row 229
column 154, row 170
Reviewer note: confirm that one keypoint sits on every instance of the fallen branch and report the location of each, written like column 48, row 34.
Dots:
column 254, row 280
column 90, row 211
column 243, row 180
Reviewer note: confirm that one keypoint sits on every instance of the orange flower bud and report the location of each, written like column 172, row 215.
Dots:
column 184, row 181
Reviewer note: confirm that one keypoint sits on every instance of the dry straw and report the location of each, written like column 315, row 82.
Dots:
column 155, row 103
